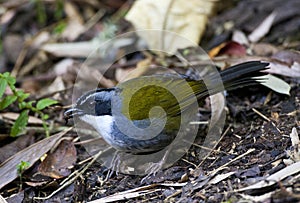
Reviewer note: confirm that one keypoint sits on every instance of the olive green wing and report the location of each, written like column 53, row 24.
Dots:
column 171, row 93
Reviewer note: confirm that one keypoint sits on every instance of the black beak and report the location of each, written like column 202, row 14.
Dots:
column 71, row 113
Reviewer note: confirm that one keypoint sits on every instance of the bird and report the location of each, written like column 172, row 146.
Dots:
column 121, row 114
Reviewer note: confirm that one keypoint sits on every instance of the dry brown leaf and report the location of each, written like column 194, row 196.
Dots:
column 8, row 169
column 14, row 116
column 30, row 86
column 75, row 22
column 263, row 49
column 55, row 86
column 14, row 147
column 39, row 39
column 95, row 77
column 122, row 72
column 36, row 184
column 30, row 47
column 216, row 124
column 229, row 48
column 275, row 66
column 121, row 196
column 295, row 137
column 85, row 49
column 216, row 50
column 263, row 28
column 240, row 37
column 136, row 192
column 37, row 60
column 217, row 108
column 288, row 56
column 260, row 198
column 220, row 177
column 7, row 16
column 275, row 178
column 63, row 66
column 294, row 152
column 77, row 49
column 57, row 163
column 281, row 68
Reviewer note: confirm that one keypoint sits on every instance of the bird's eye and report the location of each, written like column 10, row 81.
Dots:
column 91, row 105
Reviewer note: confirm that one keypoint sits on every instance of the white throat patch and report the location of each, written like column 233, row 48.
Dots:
column 102, row 124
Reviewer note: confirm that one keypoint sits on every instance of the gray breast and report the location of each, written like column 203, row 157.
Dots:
column 139, row 143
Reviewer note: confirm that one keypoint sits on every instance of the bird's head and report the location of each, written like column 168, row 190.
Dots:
column 93, row 103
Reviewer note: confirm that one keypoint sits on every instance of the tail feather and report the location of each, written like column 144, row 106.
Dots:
column 244, row 74
column 241, row 75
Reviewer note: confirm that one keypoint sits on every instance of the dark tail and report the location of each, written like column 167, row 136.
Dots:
column 241, row 75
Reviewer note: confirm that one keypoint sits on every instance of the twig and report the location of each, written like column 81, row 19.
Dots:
column 226, row 131
column 261, row 115
column 267, row 119
column 172, row 195
column 84, row 161
column 187, row 161
column 210, row 149
column 93, row 20
column 212, row 173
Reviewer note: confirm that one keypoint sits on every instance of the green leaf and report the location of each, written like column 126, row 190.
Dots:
column 22, row 105
column 3, row 84
column 11, row 80
column 8, row 100
column 61, row 26
column 6, row 74
column 19, row 93
column 20, row 124
column 45, row 116
column 43, row 103
column 22, row 166
column 24, row 96
column 59, row 9
column 29, row 105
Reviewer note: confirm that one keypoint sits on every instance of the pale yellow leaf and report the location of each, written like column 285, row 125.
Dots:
column 187, row 19
column 276, row 84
